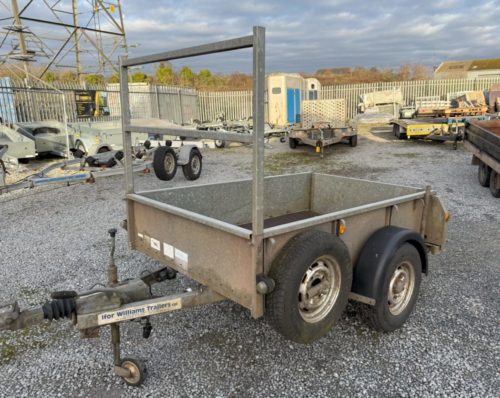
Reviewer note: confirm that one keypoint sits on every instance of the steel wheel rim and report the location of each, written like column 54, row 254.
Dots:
column 135, row 374
column 169, row 163
column 195, row 164
column 401, row 287
column 319, row 289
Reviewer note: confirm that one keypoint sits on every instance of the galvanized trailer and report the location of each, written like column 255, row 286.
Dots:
column 321, row 136
column 482, row 139
column 295, row 247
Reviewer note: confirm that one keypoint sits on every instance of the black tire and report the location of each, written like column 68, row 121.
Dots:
column 103, row 149
column 495, row 184
column 353, row 140
column 303, row 264
column 483, row 174
column 192, row 169
column 220, row 144
column 81, row 146
column 292, row 142
column 165, row 163
column 138, row 371
column 396, row 129
column 406, row 263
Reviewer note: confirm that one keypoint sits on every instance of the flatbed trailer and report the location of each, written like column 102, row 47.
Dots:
column 293, row 247
column 482, row 139
column 321, row 136
column 435, row 129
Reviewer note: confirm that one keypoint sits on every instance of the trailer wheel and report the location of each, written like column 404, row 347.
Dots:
column 103, row 149
column 165, row 163
column 495, row 184
column 220, row 144
column 81, row 146
column 353, row 140
column 192, row 169
column 483, row 174
column 137, row 371
column 292, row 142
column 399, row 290
column 313, row 275
column 396, row 129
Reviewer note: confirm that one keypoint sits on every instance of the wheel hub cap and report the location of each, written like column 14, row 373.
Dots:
column 319, row 289
column 195, row 164
column 169, row 163
column 401, row 288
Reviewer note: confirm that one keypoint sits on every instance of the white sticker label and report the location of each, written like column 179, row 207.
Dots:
column 155, row 244
column 168, row 250
column 141, row 236
column 181, row 258
column 139, row 311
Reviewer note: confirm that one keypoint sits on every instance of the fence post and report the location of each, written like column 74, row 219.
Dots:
column 180, row 105
column 157, row 101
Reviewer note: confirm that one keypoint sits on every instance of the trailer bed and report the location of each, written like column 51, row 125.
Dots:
column 205, row 231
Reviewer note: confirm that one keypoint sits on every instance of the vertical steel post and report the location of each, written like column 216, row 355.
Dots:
column 127, row 146
column 258, row 157
column 77, row 40
column 127, row 138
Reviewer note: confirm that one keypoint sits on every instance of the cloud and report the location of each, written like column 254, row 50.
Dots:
column 306, row 36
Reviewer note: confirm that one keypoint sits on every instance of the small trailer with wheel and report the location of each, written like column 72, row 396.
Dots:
column 321, row 135
column 292, row 247
column 166, row 159
column 482, row 139
column 323, row 123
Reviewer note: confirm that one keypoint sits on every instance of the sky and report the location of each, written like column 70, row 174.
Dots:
column 304, row 36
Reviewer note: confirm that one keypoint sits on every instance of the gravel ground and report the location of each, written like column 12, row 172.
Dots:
column 54, row 238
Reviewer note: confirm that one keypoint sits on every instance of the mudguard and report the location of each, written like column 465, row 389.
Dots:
column 376, row 255
column 183, row 154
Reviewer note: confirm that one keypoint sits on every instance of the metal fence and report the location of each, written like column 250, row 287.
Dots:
column 34, row 101
column 411, row 90
column 235, row 105
column 23, row 102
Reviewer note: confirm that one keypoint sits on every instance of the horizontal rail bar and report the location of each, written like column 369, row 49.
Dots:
column 191, row 133
column 192, row 216
column 211, row 48
column 310, row 222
